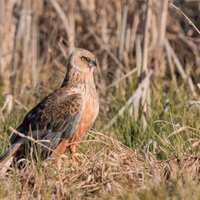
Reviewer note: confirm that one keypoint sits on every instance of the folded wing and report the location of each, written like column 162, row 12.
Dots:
column 55, row 118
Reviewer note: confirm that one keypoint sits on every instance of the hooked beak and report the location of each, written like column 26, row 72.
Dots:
column 92, row 63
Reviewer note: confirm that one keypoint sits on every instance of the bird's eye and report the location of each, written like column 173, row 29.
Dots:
column 83, row 58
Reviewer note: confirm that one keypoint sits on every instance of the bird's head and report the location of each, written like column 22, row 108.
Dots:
column 83, row 60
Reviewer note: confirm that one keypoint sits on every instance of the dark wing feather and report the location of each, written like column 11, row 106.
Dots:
column 53, row 119
column 28, row 120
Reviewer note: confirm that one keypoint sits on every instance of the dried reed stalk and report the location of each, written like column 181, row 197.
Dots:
column 37, row 36
column 159, row 61
column 144, row 69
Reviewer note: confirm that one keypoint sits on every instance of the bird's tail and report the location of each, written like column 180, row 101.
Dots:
column 4, row 158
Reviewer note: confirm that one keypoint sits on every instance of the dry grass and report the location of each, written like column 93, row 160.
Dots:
column 107, row 169
column 103, row 170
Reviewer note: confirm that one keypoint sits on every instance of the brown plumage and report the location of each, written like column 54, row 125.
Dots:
column 62, row 118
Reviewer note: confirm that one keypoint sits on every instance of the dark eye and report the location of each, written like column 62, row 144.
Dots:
column 83, row 58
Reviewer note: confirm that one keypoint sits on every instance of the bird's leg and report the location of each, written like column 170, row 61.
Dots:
column 59, row 151
column 73, row 149
column 58, row 162
column 74, row 143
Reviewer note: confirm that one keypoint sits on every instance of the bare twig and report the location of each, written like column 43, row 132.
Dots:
column 32, row 140
column 180, row 68
column 190, row 22
column 19, row 103
column 122, row 78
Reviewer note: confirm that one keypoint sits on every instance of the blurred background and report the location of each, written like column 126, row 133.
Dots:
column 148, row 53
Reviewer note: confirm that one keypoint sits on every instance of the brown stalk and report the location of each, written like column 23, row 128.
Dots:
column 181, row 70
column 190, row 22
column 159, row 63
column 65, row 21
column 144, row 70
column 123, row 32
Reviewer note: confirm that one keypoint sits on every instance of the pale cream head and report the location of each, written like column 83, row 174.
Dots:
column 83, row 60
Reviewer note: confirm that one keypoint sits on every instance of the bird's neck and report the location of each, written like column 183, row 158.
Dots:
column 80, row 80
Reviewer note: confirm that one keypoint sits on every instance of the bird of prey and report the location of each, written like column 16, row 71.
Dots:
column 62, row 118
